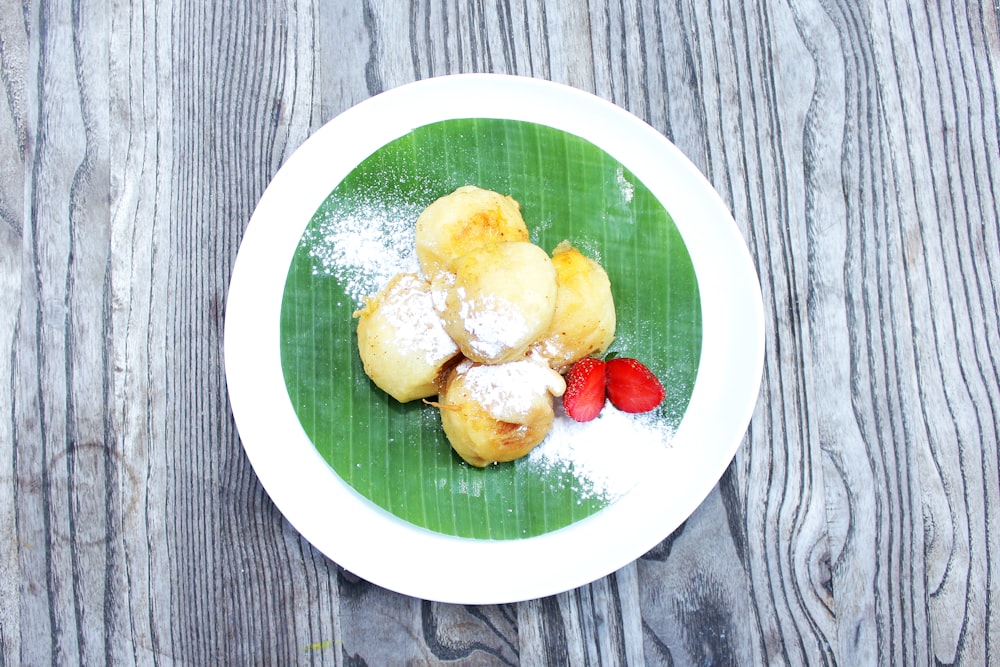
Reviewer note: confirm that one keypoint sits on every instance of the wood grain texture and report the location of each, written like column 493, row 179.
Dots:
column 13, row 150
column 858, row 146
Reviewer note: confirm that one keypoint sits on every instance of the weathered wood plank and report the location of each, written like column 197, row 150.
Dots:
column 59, row 375
column 916, row 541
column 13, row 155
column 213, row 99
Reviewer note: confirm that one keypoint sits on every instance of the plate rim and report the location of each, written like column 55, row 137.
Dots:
column 448, row 568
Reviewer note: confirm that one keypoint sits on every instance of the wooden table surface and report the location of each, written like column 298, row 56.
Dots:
column 858, row 147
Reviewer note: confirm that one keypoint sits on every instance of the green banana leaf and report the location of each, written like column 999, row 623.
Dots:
column 396, row 455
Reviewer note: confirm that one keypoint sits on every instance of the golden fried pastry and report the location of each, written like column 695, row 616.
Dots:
column 402, row 341
column 497, row 413
column 584, row 321
column 496, row 300
column 466, row 219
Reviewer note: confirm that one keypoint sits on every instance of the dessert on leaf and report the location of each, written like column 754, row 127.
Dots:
column 497, row 300
column 467, row 219
column 494, row 413
column 401, row 340
column 584, row 321
column 490, row 325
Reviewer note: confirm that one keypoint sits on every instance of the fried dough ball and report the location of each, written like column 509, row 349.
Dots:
column 497, row 413
column 466, row 219
column 496, row 300
column 584, row 321
column 402, row 342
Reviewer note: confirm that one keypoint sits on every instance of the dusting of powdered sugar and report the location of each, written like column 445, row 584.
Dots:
column 624, row 185
column 408, row 309
column 606, row 455
column 365, row 246
column 508, row 391
column 590, row 248
column 494, row 324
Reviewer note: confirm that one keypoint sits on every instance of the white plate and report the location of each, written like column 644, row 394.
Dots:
column 393, row 553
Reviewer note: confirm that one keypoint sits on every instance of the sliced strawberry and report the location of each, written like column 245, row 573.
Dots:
column 584, row 397
column 631, row 386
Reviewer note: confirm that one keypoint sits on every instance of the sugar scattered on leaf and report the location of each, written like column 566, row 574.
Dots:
column 626, row 188
column 607, row 455
column 365, row 247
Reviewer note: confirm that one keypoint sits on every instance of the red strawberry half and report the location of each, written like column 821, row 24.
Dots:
column 631, row 386
column 584, row 397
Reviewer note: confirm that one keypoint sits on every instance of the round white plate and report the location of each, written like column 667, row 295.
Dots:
column 390, row 552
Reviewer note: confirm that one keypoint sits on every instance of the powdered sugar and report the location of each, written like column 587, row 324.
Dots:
column 508, row 391
column 407, row 308
column 363, row 248
column 607, row 455
column 624, row 186
column 494, row 325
